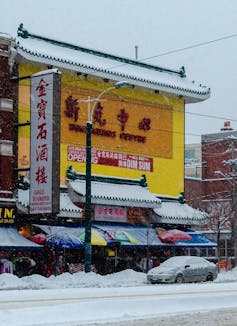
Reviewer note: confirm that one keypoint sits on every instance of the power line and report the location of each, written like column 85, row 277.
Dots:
column 192, row 46
column 181, row 49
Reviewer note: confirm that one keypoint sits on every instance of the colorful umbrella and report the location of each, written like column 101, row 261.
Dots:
column 64, row 240
column 174, row 235
column 97, row 239
column 39, row 238
column 121, row 236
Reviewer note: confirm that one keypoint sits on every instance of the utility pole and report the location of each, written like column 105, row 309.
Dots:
column 88, row 217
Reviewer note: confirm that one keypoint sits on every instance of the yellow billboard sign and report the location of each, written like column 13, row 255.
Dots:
column 119, row 125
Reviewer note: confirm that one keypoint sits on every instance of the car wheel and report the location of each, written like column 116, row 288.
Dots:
column 179, row 279
column 209, row 277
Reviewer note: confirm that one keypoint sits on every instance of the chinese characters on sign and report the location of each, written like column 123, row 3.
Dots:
column 72, row 110
column 142, row 128
column 41, row 152
column 122, row 160
column 110, row 213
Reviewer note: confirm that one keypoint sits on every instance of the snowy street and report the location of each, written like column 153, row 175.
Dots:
column 220, row 317
column 120, row 299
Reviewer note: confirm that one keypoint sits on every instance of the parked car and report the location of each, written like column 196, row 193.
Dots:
column 182, row 269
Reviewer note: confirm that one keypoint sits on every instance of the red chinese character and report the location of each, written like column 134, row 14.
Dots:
column 123, row 118
column 145, row 124
column 105, row 211
column 97, row 115
column 121, row 213
column 41, row 106
column 42, row 131
column 99, row 211
column 41, row 176
column 41, row 88
column 42, row 153
column 110, row 211
column 72, row 108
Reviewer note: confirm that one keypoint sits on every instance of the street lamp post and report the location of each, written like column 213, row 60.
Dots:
column 88, row 172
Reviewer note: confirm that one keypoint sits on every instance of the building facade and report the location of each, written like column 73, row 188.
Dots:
column 137, row 136
column 8, row 99
column 138, row 130
column 214, row 192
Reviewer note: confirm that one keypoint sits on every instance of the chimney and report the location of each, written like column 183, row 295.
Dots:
column 227, row 126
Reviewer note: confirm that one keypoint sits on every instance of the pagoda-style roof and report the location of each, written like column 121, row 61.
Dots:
column 107, row 190
column 176, row 211
column 41, row 49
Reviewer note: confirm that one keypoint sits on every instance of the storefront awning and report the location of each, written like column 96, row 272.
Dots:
column 73, row 237
column 128, row 236
column 146, row 236
column 134, row 236
column 11, row 239
column 113, row 194
column 177, row 213
column 199, row 240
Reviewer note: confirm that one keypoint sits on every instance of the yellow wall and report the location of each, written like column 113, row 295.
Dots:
column 164, row 141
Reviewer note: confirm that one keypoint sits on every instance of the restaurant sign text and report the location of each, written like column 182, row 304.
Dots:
column 109, row 158
column 110, row 213
column 7, row 215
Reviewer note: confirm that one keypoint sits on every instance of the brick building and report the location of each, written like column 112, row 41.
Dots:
column 7, row 100
column 214, row 191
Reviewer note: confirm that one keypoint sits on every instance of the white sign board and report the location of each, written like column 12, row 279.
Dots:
column 42, row 140
column 110, row 213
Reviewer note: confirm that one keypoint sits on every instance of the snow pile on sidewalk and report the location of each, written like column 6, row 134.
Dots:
column 125, row 278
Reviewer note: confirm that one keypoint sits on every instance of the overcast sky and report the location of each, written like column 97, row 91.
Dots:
column 156, row 27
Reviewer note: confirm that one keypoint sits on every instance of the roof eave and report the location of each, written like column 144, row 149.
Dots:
column 188, row 95
column 177, row 220
column 78, row 197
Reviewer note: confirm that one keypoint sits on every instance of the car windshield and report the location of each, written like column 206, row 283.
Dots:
column 175, row 261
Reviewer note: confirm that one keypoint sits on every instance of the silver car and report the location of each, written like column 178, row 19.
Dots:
column 181, row 269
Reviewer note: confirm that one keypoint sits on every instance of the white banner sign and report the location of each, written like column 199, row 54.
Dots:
column 41, row 152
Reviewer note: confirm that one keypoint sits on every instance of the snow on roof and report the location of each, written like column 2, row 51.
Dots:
column 113, row 194
column 52, row 52
column 67, row 208
column 177, row 213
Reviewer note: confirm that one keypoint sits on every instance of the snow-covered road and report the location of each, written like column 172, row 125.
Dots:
column 117, row 299
column 220, row 317
column 135, row 305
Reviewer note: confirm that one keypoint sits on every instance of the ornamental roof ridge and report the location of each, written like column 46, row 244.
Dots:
column 23, row 33
column 86, row 61
column 73, row 175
